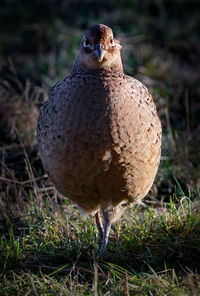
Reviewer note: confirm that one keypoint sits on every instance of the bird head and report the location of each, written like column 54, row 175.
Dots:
column 99, row 49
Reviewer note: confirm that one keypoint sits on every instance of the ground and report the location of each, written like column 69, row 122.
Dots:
column 46, row 246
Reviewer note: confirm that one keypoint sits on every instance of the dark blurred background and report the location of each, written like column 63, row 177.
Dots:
column 160, row 41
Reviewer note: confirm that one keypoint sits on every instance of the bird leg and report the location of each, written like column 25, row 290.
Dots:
column 107, row 224
column 110, row 216
column 99, row 224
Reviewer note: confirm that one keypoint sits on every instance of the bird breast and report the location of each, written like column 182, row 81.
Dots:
column 96, row 127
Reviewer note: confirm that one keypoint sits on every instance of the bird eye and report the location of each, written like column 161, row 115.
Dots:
column 86, row 43
column 112, row 43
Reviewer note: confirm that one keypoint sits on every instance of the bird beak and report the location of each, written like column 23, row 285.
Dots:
column 99, row 52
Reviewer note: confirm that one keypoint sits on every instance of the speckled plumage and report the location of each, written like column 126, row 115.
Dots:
column 100, row 137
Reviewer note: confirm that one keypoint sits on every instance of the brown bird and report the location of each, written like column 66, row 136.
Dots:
column 99, row 134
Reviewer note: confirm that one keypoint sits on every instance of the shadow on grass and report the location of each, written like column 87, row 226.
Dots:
column 173, row 245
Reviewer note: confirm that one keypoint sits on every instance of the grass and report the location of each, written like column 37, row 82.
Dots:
column 46, row 246
column 52, row 250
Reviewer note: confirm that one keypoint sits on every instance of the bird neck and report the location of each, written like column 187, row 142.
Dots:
column 81, row 68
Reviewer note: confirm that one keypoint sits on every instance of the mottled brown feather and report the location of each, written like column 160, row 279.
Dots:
column 99, row 134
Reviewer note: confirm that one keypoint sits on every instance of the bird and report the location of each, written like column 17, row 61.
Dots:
column 99, row 134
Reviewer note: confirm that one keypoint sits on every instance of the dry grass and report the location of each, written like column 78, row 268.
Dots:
column 51, row 249
column 46, row 247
